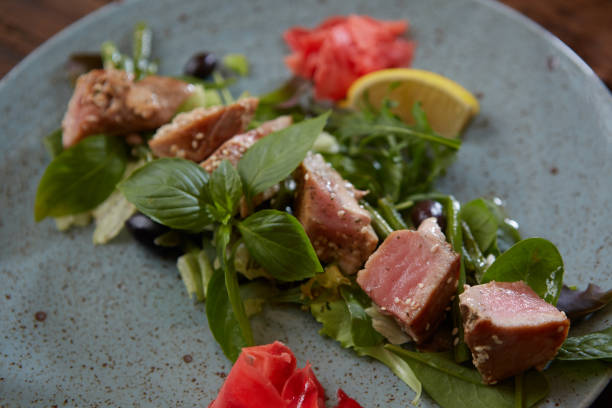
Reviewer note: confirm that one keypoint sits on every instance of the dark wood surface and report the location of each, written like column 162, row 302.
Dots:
column 584, row 25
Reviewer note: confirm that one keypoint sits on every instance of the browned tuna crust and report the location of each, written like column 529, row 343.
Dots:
column 109, row 101
column 327, row 207
column 510, row 329
column 196, row 134
column 234, row 148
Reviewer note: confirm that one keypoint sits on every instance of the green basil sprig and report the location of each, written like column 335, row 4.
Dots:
column 274, row 157
column 81, row 177
column 278, row 242
column 172, row 192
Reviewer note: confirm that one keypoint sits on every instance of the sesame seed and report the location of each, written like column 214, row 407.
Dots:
column 173, row 149
column 455, row 331
column 341, row 213
column 456, row 341
column 199, row 135
column 383, row 308
column 306, row 177
column 396, row 300
column 452, row 298
column 447, row 308
column 427, row 327
column 449, row 280
column 560, row 329
column 194, row 144
column 420, row 285
column 181, row 153
column 496, row 339
column 407, row 301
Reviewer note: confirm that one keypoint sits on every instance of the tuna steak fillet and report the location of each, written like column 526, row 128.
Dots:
column 510, row 329
column 413, row 276
column 196, row 134
column 109, row 101
column 235, row 147
column 327, row 207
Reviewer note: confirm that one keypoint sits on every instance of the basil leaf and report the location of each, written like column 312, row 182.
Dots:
column 481, row 221
column 278, row 242
column 221, row 319
column 454, row 386
column 274, row 157
column 81, row 177
column 361, row 323
column 592, row 346
column 225, row 190
column 535, row 261
column 577, row 304
column 53, row 143
column 172, row 192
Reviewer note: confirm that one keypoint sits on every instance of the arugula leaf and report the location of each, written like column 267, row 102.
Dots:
column 592, row 346
column 173, row 192
column 454, row 386
column 81, row 177
column 577, row 304
column 382, row 154
column 361, row 323
column 225, row 190
column 481, row 221
column 53, row 143
column 221, row 318
column 274, row 157
column 278, row 242
column 535, row 261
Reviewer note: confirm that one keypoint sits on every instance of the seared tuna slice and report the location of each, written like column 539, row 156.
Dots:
column 327, row 207
column 235, row 147
column 194, row 135
column 510, row 329
column 413, row 276
column 109, row 101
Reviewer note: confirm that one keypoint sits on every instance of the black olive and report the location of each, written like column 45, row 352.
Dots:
column 145, row 231
column 201, row 65
column 426, row 209
column 81, row 63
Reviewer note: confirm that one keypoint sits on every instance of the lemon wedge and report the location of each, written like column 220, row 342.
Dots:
column 448, row 106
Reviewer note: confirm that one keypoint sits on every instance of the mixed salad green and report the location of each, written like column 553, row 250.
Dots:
column 237, row 265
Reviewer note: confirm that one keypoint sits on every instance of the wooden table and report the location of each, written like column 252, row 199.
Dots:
column 584, row 25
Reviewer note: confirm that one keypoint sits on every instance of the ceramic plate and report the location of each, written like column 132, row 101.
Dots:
column 118, row 321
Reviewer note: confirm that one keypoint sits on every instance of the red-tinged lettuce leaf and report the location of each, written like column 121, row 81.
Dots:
column 577, row 303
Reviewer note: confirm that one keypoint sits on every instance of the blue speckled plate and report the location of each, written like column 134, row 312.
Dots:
column 118, row 321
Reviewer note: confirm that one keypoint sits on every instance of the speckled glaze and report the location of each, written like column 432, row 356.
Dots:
column 119, row 330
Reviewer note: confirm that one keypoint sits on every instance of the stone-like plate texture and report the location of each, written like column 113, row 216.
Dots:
column 118, row 321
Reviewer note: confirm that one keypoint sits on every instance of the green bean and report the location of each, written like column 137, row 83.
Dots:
column 390, row 214
column 378, row 222
column 111, row 57
column 141, row 49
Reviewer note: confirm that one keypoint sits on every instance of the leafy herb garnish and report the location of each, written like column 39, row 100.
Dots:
column 81, row 177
